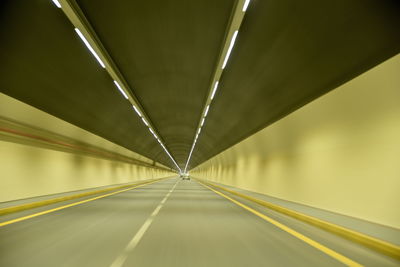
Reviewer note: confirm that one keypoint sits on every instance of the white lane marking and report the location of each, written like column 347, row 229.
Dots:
column 155, row 212
column 120, row 260
column 135, row 240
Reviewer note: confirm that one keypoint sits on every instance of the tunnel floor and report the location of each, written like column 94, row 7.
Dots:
column 173, row 223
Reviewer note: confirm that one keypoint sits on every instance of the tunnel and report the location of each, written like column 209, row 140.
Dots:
column 199, row 133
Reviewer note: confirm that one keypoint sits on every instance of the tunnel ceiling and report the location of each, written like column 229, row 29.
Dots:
column 287, row 53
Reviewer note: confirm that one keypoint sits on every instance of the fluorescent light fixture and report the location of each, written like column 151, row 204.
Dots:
column 57, row 3
column 206, row 112
column 246, row 4
column 199, row 131
column 214, row 90
column 145, row 122
column 137, row 111
column 169, row 155
column 190, row 155
column 202, row 122
column 154, row 134
column 230, row 49
column 120, row 89
column 89, row 47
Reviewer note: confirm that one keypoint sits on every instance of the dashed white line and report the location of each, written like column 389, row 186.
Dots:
column 120, row 260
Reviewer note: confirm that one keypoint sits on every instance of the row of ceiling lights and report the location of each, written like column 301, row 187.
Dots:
column 85, row 41
column 214, row 89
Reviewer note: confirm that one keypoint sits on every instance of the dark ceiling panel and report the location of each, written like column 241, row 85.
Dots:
column 167, row 51
column 45, row 64
column 287, row 54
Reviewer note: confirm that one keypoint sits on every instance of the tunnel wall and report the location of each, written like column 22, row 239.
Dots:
column 340, row 152
column 32, row 167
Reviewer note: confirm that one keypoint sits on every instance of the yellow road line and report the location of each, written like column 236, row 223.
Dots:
column 378, row 245
column 70, row 205
column 36, row 204
column 294, row 233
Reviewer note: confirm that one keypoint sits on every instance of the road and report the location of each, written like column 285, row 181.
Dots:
column 173, row 223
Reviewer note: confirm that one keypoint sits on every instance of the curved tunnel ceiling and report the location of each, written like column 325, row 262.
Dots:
column 287, row 53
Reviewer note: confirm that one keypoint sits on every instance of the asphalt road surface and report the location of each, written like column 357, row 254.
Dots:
column 173, row 223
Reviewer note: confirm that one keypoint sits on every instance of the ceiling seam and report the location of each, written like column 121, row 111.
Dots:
column 88, row 35
column 230, row 38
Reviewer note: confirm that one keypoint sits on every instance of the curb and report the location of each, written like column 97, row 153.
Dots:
column 368, row 241
column 41, row 203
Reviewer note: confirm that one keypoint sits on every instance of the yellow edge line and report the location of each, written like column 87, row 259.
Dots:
column 368, row 241
column 41, row 203
column 70, row 205
column 296, row 234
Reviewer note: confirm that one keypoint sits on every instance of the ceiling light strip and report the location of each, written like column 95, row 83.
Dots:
column 120, row 89
column 57, row 3
column 232, row 33
column 230, row 49
column 90, row 48
column 246, row 4
column 145, row 122
column 137, row 111
column 92, row 42
column 214, row 90
column 206, row 112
